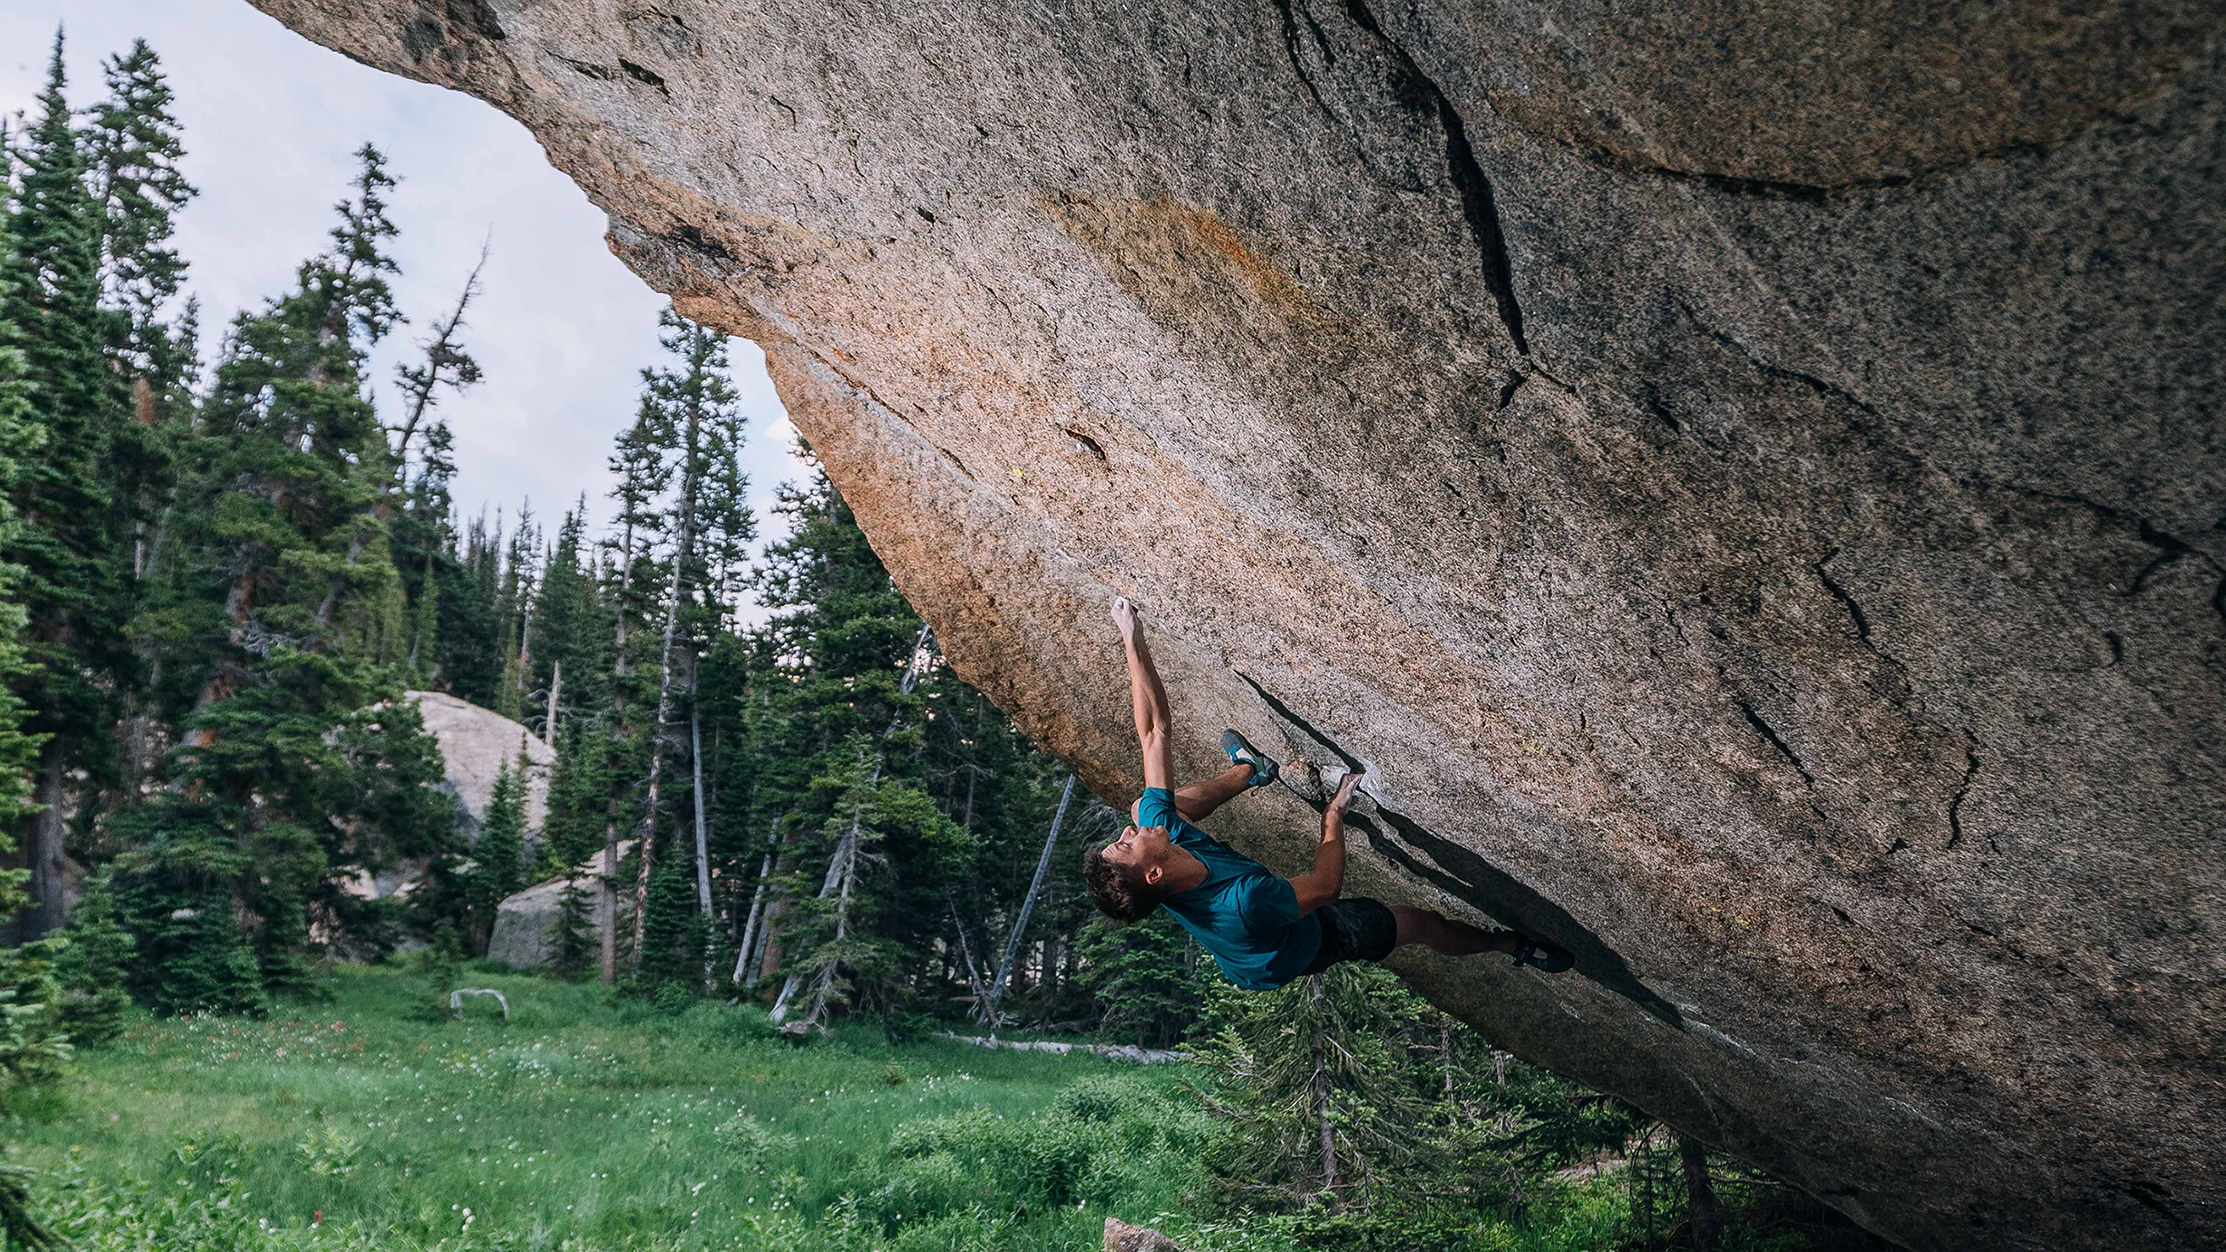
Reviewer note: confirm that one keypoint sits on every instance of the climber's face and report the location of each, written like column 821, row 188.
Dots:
column 1143, row 849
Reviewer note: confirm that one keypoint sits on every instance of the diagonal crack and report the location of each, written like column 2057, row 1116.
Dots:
column 1764, row 729
column 1459, row 871
column 1479, row 205
column 1298, row 65
column 1854, row 608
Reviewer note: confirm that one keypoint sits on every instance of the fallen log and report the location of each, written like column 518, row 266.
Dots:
column 1113, row 1051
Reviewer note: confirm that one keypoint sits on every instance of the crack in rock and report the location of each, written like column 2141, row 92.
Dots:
column 1478, row 202
column 1764, row 729
column 1459, row 871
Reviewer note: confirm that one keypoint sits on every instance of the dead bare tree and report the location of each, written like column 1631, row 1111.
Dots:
column 988, row 1009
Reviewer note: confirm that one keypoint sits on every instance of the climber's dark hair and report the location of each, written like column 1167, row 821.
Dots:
column 1119, row 891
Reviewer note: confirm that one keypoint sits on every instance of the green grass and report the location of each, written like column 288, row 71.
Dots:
column 587, row 1125
column 372, row 1123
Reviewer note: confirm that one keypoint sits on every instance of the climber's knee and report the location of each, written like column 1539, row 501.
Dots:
column 1415, row 925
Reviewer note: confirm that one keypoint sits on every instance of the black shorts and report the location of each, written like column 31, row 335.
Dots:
column 1354, row 928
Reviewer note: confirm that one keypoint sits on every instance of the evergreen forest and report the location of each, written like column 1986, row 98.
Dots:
column 778, row 828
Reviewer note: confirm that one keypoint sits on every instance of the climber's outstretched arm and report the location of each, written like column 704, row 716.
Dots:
column 1327, row 879
column 1147, row 699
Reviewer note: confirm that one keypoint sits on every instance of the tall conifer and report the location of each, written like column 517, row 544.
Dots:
column 71, row 584
column 300, row 764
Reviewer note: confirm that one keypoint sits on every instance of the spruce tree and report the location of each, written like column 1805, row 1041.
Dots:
column 300, row 764
column 1144, row 979
column 33, row 1042
column 499, row 858
column 93, row 968
column 73, row 578
column 671, row 943
column 572, row 937
column 571, row 639
column 134, row 148
column 1318, row 1101
column 696, row 400
column 573, row 830
column 521, row 566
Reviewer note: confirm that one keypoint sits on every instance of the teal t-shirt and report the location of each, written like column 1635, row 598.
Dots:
column 1245, row 916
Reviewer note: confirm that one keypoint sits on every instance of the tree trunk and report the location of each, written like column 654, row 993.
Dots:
column 606, row 903
column 46, row 911
column 1702, row 1217
column 683, row 553
column 646, row 850
column 556, row 689
column 703, row 841
column 974, row 985
column 1027, row 906
column 1322, row 1101
column 837, row 883
column 842, row 866
column 770, row 949
column 757, row 909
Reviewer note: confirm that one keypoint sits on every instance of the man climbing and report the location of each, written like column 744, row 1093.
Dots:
column 1262, row 930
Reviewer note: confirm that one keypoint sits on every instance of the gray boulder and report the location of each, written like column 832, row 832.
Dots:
column 476, row 744
column 524, row 936
column 1747, row 476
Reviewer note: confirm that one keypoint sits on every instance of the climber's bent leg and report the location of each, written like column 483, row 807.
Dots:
column 1197, row 801
column 1442, row 934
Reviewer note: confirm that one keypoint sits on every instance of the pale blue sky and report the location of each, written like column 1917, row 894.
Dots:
column 270, row 119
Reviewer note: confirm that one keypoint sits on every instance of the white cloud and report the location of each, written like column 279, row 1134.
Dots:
column 270, row 122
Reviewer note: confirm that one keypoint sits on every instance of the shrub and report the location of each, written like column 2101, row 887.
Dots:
column 751, row 1144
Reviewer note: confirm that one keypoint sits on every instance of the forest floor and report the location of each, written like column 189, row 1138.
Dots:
column 371, row 1120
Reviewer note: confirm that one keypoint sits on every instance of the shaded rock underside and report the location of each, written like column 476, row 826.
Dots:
column 1745, row 479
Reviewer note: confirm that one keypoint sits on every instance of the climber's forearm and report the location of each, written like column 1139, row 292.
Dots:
column 1148, row 702
column 1327, row 879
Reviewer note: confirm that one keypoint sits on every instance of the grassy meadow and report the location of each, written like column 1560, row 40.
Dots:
column 370, row 1120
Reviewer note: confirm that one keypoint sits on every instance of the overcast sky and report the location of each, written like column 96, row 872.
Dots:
column 270, row 119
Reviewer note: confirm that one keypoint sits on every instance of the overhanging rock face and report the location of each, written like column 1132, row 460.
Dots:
column 1749, row 481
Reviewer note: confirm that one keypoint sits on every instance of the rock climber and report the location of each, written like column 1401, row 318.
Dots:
column 1264, row 931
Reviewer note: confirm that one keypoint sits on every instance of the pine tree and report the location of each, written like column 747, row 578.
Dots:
column 521, row 565
column 134, row 148
column 1144, row 979
column 572, row 938
column 643, row 475
column 571, row 638
column 300, row 763
column 499, row 858
column 1316, row 1096
column 94, row 966
column 696, row 400
column 671, row 943
column 33, row 1043
column 573, row 830
column 73, row 577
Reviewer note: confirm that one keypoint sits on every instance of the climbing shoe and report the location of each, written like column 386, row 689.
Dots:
column 1539, row 954
column 1243, row 753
